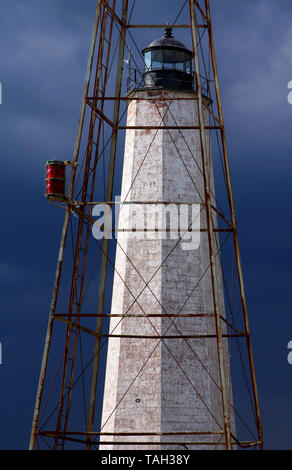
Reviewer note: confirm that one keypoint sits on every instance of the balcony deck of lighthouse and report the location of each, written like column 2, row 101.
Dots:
column 162, row 382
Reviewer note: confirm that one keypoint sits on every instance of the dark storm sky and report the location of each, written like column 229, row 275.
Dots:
column 43, row 54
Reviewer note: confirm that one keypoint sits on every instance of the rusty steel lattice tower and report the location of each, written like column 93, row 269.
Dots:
column 179, row 371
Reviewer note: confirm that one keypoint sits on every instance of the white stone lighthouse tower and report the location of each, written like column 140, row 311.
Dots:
column 162, row 386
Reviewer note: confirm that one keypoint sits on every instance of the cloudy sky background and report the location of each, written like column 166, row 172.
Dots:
column 43, row 56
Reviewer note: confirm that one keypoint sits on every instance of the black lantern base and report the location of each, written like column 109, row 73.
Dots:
column 170, row 79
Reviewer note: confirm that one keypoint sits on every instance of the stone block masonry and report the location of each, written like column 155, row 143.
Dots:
column 169, row 385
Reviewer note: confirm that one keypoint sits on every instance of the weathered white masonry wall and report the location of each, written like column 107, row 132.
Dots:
column 171, row 385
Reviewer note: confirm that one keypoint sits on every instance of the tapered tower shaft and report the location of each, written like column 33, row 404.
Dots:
column 162, row 370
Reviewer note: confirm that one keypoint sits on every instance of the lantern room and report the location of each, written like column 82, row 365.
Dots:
column 168, row 64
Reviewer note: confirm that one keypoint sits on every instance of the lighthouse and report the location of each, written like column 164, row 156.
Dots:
column 165, row 370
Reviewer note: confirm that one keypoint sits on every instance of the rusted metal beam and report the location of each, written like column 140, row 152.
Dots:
column 243, row 444
column 167, row 127
column 212, row 114
column 79, row 203
column 160, row 26
column 74, row 324
column 140, row 315
column 35, row 423
column 169, row 230
column 62, row 317
column 68, row 369
column 125, row 434
column 172, row 336
column 149, row 98
column 78, row 243
column 104, row 259
column 235, row 237
column 110, row 123
column 69, row 435
column 240, row 332
column 203, row 13
column 207, row 188
column 222, row 216
column 100, row 114
column 113, row 13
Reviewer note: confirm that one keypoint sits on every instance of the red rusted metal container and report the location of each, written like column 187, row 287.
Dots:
column 55, row 179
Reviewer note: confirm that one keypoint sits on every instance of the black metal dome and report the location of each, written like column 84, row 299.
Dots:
column 166, row 40
column 168, row 64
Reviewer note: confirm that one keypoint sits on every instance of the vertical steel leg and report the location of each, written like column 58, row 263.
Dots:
column 105, row 247
column 212, row 251
column 35, row 423
column 233, row 218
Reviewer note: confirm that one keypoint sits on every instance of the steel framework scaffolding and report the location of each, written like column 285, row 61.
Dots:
column 68, row 403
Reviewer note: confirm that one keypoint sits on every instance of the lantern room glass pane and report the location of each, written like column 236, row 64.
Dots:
column 157, row 60
column 147, row 58
column 169, row 56
column 180, row 66
column 189, row 67
column 181, row 56
column 168, row 59
column 168, row 65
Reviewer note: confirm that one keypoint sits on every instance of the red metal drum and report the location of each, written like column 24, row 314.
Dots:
column 55, row 180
